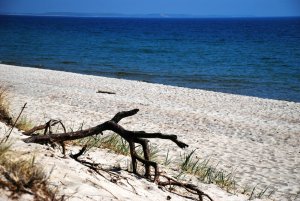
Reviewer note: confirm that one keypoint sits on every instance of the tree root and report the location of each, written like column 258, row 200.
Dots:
column 189, row 187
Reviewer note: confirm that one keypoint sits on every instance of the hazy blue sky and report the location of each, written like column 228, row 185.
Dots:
column 192, row 7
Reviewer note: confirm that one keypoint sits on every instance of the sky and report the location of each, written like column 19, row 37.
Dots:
column 229, row 8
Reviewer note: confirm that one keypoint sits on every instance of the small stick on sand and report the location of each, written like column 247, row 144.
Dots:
column 105, row 92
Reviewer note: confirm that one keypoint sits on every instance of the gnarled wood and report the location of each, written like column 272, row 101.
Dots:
column 131, row 137
column 108, row 125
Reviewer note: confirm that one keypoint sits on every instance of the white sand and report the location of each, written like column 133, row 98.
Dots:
column 258, row 138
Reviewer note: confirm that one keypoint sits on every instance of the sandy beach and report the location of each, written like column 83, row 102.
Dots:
column 256, row 138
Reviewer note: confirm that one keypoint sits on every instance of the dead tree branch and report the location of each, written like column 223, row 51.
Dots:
column 131, row 137
column 46, row 127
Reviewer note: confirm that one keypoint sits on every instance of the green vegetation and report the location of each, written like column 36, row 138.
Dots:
column 116, row 143
column 168, row 160
column 207, row 173
column 261, row 193
column 113, row 142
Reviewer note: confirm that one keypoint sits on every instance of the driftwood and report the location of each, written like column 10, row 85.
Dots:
column 105, row 92
column 131, row 137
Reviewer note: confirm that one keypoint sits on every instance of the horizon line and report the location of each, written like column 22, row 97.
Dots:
column 150, row 15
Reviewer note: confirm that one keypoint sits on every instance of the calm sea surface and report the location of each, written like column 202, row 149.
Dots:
column 256, row 57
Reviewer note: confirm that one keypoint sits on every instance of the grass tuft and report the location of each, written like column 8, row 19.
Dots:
column 5, row 116
column 207, row 173
column 113, row 142
column 168, row 160
column 24, row 124
column 20, row 176
column 256, row 193
column 116, row 143
column 4, row 107
column 154, row 153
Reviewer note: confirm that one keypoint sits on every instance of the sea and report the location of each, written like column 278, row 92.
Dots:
column 248, row 56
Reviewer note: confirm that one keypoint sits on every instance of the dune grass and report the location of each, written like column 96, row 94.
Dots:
column 115, row 143
column 188, row 164
column 168, row 159
column 203, row 170
column 112, row 142
column 24, row 124
column 4, row 106
column 19, row 176
column 256, row 193
column 207, row 173
column 5, row 116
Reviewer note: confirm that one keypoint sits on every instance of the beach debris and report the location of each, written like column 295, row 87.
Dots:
column 189, row 187
column 132, row 137
column 105, row 92
column 47, row 127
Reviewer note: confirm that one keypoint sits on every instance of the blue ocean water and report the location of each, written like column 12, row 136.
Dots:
column 249, row 56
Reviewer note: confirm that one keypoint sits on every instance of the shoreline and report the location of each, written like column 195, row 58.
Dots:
column 257, row 137
column 137, row 80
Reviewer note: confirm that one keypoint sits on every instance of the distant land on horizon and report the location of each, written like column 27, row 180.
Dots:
column 151, row 15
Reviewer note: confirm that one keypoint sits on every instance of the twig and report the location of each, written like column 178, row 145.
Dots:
column 15, row 122
column 105, row 92
column 103, row 189
column 51, row 122
column 75, row 156
column 131, row 186
column 187, row 186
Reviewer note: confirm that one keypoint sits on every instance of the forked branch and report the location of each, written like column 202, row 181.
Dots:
column 108, row 125
column 131, row 137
